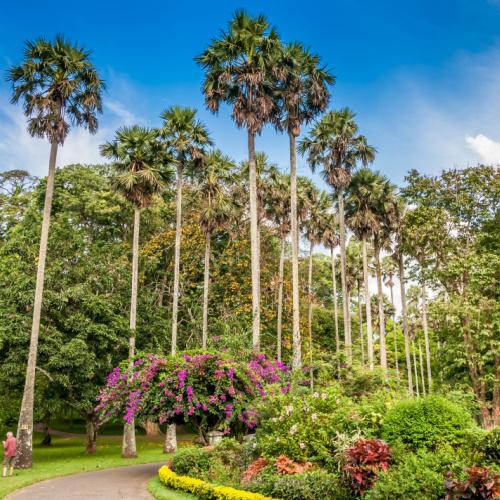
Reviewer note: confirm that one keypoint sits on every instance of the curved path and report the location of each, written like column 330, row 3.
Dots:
column 111, row 484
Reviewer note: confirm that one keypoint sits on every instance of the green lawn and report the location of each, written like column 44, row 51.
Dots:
column 67, row 456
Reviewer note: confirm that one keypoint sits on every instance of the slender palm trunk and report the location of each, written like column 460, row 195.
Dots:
column 422, row 376
column 280, row 298
column 394, row 331
column 335, row 308
column 343, row 276
column 91, row 426
column 310, row 309
column 404, row 318
column 360, row 315
column 296, row 340
column 24, row 457
column 415, row 366
column 177, row 258
column 254, row 243
column 369, row 334
column 426, row 338
column 170, row 444
column 381, row 316
column 129, row 449
column 206, row 285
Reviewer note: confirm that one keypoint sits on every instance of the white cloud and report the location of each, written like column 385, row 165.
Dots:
column 487, row 149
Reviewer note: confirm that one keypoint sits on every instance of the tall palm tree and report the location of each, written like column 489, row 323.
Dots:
column 361, row 218
column 214, row 214
column 313, row 227
column 334, row 143
column 277, row 206
column 389, row 271
column 238, row 72
column 302, row 93
column 139, row 163
column 59, row 88
column 330, row 240
column 185, row 140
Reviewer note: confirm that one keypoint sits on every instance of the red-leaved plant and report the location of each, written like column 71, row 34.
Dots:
column 364, row 462
column 481, row 483
column 254, row 469
column 285, row 465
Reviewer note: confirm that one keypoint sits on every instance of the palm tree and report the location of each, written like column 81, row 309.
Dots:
column 140, row 174
column 361, row 218
column 330, row 240
column 214, row 214
column 277, row 206
column 238, row 71
column 313, row 227
column 185, row 139
column 302, row 93
column 59, row 88
column 334, row 144
column 389, row 271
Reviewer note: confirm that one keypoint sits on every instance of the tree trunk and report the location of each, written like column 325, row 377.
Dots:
column 404, row 318
column 369, row 334
column 47, row 438
column 129, row 449
column 254, row 243
column 24, row 457
column 280, row 298
column 343, row 275
column 206, row 285
column 415, row 367
column 426, row 338
column 421, row 366
column 170, row 444
column 381, row 316
column 91, row 427
column 310, row 309
column 394, row 332
column 335, row 309
column 177, row 258
column 360, row 315
column 152, row 429
column 296, row 340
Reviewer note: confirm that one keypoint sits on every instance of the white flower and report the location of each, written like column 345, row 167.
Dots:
column 293, row 429
column 302, row 446
column 274, row 419
column 254, row 445
column 314, row 417
column 323, row 396
column 288, row 409
column 316, row 395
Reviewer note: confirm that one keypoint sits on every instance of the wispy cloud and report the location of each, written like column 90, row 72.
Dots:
column 487, row 149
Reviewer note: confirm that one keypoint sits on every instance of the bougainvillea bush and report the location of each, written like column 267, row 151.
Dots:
column 209, row 390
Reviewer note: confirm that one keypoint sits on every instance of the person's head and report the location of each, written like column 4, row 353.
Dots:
column 9, row 435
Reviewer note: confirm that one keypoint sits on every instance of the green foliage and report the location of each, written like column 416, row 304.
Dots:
column 191, row 462
column 418, row 476
column 426, row 423
column 304, row 427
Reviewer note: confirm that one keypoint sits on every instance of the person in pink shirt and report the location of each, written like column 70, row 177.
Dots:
column 9, row 453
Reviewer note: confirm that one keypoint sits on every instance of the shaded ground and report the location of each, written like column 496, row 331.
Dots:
column 112, row 484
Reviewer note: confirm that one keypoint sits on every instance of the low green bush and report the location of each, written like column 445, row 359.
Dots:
column 313, row 485
column 419, row 476
column 191, row 462
column 490, row 446
column 426, row 423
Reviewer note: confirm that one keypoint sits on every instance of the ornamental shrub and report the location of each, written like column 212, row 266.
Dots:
column 304, row 426
column 426, row 423
column 365, row 460
column 419, row 476
column 490, row 446
column 481, row 483
column 191, row 462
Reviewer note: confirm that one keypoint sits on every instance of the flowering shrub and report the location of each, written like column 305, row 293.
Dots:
column 364, row 462
column 204, row 490
column 481, row 483
column 305, row 427
column 209, row 390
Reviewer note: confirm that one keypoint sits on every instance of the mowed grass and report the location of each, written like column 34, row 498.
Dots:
column 67, row 456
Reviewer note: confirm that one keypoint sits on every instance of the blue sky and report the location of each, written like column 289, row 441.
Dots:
column 423, row 76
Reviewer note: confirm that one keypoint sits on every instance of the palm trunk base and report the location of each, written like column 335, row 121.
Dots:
column 24, row 455
column 129, row 449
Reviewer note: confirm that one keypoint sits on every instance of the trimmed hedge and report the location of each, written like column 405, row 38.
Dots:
column 203, row 489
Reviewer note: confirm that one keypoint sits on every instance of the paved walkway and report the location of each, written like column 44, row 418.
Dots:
column 112, row 484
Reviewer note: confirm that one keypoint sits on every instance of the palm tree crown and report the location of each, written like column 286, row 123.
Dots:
column 59, row 87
